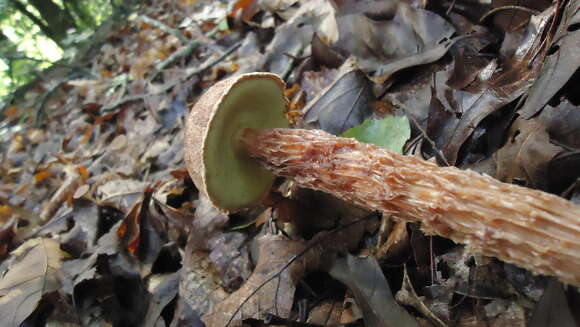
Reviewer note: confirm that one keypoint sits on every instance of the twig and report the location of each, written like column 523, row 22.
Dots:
column 184, row 51
column 45, row 97
column 164, row 28
column 215, row 61
column 450, row 7
column 69, row 186
column 493, row 11
column 127, row 99
column 293, row 59
column 141, row 97
column 421, row 130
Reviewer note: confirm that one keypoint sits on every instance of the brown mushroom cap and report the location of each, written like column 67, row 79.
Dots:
column 231, row 181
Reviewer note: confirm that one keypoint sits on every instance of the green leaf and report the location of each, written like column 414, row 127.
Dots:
column 390, row 132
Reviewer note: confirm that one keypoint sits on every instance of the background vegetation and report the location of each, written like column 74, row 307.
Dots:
column 37, row 33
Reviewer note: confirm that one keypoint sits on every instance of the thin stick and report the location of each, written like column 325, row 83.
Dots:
column 164, row 28
column 495, row 10
column 141, row 97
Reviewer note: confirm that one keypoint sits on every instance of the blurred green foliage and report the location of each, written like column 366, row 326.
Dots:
column 36, row 33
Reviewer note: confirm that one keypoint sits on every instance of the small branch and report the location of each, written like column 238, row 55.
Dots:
column 13, row 58
column 493, row 11
column 422, row 131
column 184, row 51
column 45, row 97
column 127, row 99
column 164, row 28
column 215, row 61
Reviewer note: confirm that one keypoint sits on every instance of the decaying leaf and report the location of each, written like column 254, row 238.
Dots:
column 137, row 231
column 553, row 308
column 562, row 122
column 344, row 104
column 365, row 279
column 408, row 37
column 527, row 153
column 327, row 313
column 494, row 88
column 295, row 35
column 270, row 288
column 200, row 285
column 163, row 288
column 560, row 63
column 32, row 275
column 407, row 295
column 397, row 241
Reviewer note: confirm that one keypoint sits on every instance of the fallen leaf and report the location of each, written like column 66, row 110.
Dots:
column 231, row 258
column 408, row 37
column 324, row 54
column 141, row 234
column 200, row 285
column 270, row 288
column 553, row 309
column 527, row 154
column 396, row 244
column 247, row 8
column 562, row 122
column 163, row 289
column 365, row 279
column 407, row 296
column 32, row 275
column 42, row 175
column 560, row 62
column 11, row 111
column 344, row 104
column 498, row 84
column 327, row 313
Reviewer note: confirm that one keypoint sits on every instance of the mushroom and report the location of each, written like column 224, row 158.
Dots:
column 236, row 144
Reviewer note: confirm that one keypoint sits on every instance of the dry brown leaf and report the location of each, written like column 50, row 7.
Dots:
column 560, row 61
column 33, row 274
column 270, row 288
column 200, row 284
column 407, row 296
column 397, row 241
column 526, row 154
column 327, row 313
column 343, row 104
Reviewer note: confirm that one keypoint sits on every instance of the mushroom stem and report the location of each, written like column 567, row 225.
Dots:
column 529, row 228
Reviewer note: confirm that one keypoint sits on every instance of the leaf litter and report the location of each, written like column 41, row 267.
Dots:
column 102, row 226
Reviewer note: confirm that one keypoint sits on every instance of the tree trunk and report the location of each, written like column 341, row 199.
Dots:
column 58, row 20
column 43, row 27
column 84, row 17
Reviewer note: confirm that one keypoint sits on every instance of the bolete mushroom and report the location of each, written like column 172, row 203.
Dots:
column 235, row 147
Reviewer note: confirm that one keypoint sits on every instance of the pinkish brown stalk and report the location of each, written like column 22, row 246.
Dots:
column 529, row 228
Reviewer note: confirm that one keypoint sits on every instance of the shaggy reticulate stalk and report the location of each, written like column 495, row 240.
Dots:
column 530, row 228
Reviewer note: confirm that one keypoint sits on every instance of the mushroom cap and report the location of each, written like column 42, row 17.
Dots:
column 232, row 181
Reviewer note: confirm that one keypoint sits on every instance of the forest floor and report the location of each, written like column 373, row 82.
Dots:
column 101, row 224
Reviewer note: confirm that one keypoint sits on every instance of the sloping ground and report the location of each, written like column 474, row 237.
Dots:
column 101, row 224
